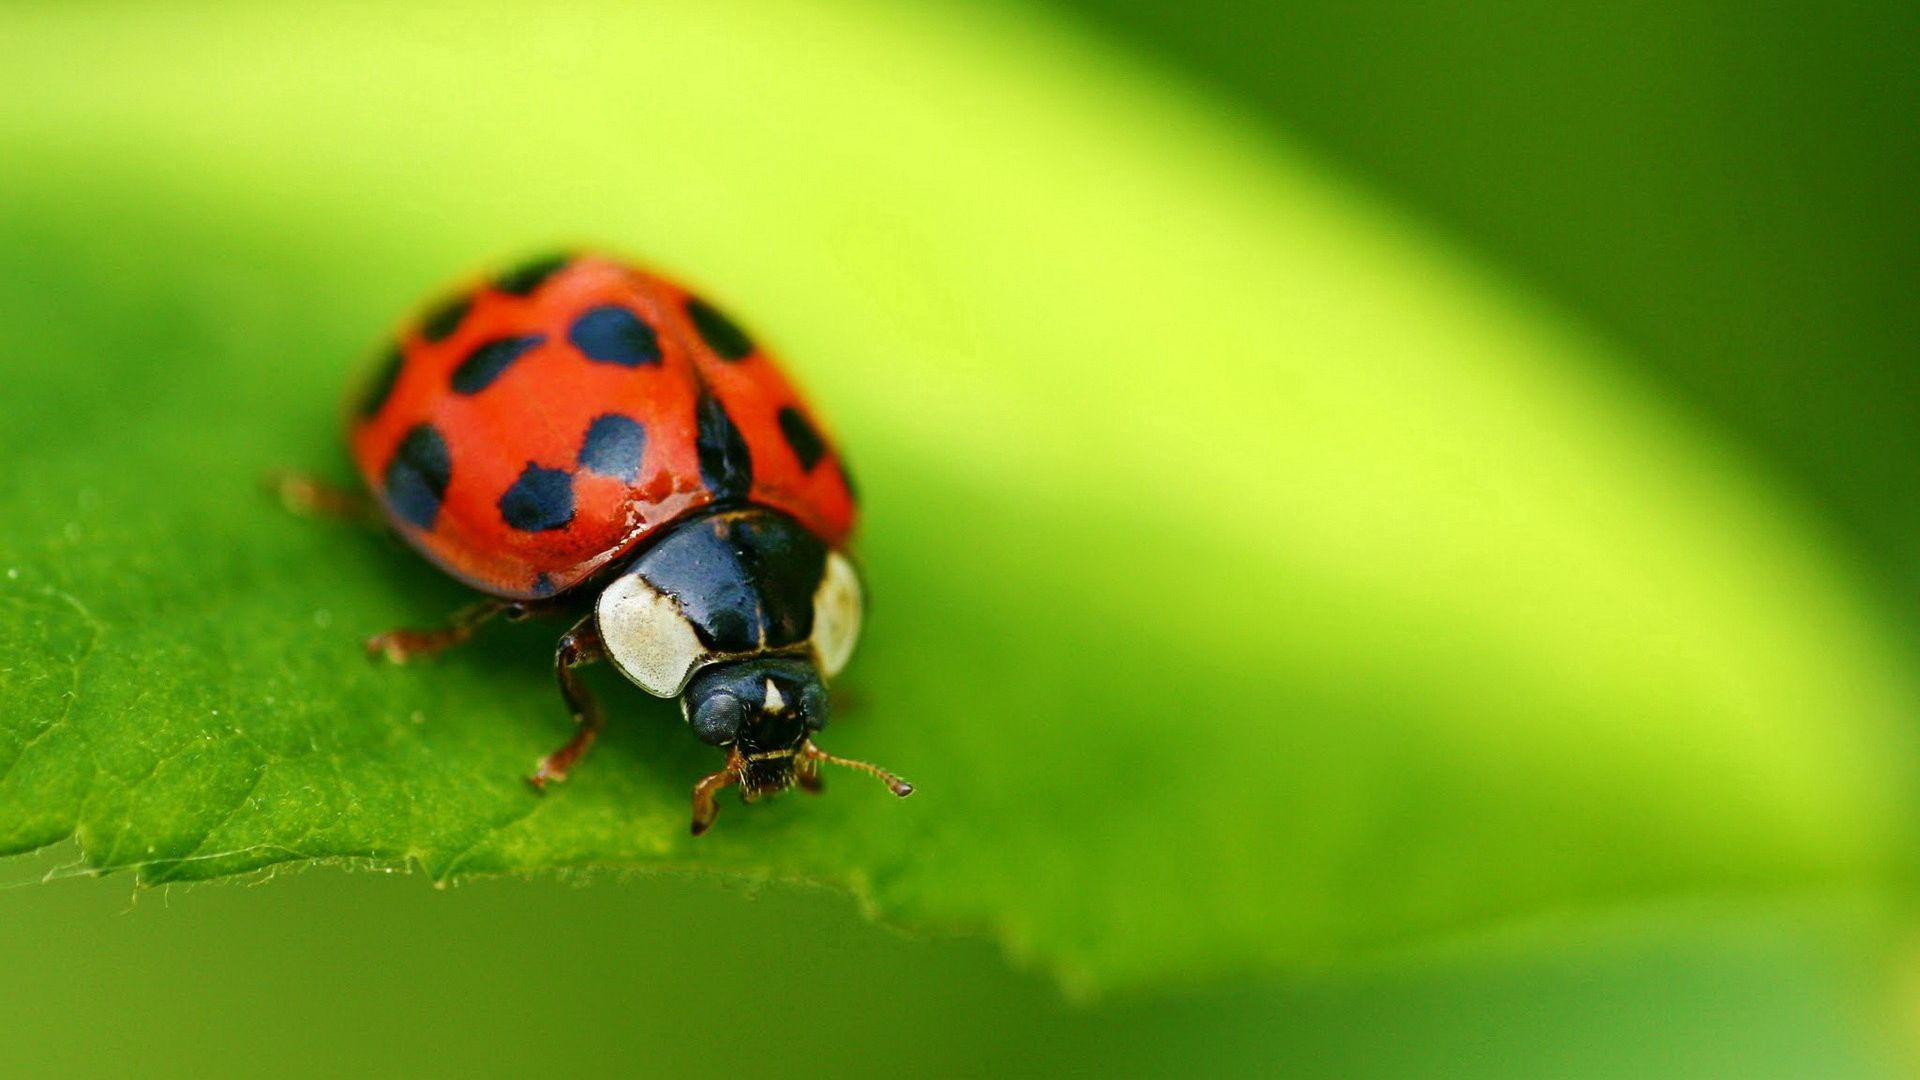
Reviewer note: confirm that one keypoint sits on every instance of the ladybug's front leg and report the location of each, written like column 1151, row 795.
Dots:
column 580, row 646
column 403, row 645
column 806, row 775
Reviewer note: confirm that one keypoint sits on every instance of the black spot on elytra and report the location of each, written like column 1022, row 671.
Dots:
column 417, row 476
column 489, row 359
column 380, row 387
column 721, row 334
column 801, row 437
column 441, row 322
column 726, row 466
column 614, row 446
column 539, row 501
column 522, row 280
column 611, row 334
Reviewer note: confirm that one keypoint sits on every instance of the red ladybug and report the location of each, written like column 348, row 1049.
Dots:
column 577, row 436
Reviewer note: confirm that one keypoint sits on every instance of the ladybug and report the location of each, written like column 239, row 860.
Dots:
column 581, row 437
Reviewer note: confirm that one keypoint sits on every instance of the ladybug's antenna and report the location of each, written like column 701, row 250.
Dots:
column 894, row 784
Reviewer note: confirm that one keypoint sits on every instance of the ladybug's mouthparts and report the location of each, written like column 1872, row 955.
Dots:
column 766, row 772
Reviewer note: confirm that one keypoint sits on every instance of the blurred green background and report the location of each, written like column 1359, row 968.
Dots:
column 1720, row 194
column 1719, row 185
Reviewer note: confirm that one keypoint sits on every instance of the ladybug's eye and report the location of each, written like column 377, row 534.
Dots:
column 717, row 718
column 813, row 706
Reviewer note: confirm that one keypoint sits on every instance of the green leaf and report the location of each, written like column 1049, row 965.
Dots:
column 1255, row 582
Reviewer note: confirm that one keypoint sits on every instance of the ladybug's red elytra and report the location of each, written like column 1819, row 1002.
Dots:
column 578, row 436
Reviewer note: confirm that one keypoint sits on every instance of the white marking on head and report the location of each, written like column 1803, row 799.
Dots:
column 836, row 615
column 647, row 637
column 775, row 703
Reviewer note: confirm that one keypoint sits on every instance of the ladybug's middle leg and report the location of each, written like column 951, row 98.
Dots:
column 403, row 645
column 580, row 646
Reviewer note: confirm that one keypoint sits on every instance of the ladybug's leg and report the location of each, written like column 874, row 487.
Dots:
column 403, row 645
column 310, row 496
column 580, row 646
column 806, row 773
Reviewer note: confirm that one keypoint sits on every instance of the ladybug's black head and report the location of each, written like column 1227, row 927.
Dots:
column 764, row 708
column 764, row 711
